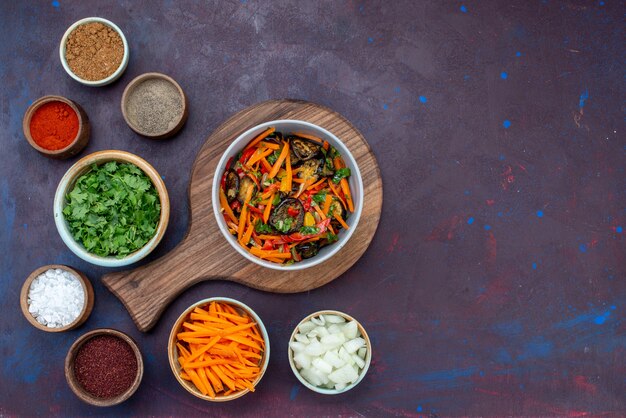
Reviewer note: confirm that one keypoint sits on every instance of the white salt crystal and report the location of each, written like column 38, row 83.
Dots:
column 56, row 298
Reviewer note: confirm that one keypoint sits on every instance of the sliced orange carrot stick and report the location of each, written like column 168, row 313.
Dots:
column 225, row 379
column 227, row 210
column 268, row 209
column 205, row 382
column 336, row 192
column 246, row 237
column 270, row 145
column 235, row 318
column 341, row 221
column 266, row 165
column 196, row 381
column 327, row 203
column 285, row 183
column 243, row 216
column 319, row 212
column 217, row 383
column 338, row 162
column 315, row 185
column 346, row 191
column 279, row 162
column 258, row 155
column 207, row 347
column 309, row 137
column 205, row 363
column 260, row 137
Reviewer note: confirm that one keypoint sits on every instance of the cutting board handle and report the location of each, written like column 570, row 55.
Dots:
column 147, row 290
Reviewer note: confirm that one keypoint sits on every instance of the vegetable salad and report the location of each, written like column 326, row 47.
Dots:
column 286, row 196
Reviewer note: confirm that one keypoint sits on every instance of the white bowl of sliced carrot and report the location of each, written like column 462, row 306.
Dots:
column 287, row 194
column 218, row 349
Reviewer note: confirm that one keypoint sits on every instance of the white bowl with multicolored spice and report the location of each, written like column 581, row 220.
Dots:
column 94, row 51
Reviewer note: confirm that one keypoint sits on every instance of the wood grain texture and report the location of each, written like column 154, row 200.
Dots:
column 204, row 254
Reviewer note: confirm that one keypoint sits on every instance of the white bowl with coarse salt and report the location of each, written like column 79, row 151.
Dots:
column 329, row 352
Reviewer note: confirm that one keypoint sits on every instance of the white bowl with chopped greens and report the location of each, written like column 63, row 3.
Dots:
column 111, row 208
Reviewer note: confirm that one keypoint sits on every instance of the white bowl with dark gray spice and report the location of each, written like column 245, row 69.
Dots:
column 154, row 105
column 94, row 51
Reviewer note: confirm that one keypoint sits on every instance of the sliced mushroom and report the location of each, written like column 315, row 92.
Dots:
column 295, row 160
column 310, row 169
column 275, row 137
column 304, row 149
column 308, row 249
column 231, row 185
column 244, row 184
column 288, row 216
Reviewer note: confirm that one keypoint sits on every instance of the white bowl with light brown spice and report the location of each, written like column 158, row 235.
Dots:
column 94, row 51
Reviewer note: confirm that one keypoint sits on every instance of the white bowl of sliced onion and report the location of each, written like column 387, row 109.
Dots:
column 329, row 352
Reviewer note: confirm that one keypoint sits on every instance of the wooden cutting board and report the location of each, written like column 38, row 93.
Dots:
column 204, row 253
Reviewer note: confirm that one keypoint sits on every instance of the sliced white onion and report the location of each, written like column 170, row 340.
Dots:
column 319, row 320
column 358, row 361
column 306, row 327
column 332, row 341
column 335, row 329
column 353, row 345
column 332, row 358
column 345, row 356
column 345, row 374
column 350, row 330
column 334, row 319
column 322, row 366
column 302, row 361
column 329, row 351
column 296, row 346
column 315, row 348
column 362, row 351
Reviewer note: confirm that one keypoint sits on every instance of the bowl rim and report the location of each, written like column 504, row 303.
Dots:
column 172, row 350
column 88, row 299
column 136, row 82
column 28, row 115
column 81, row 167
column 356, row 174
column 83, row 394
column 116, row 74
column 362, row 373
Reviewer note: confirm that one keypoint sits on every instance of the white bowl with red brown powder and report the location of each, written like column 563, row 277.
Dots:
column 94, row 51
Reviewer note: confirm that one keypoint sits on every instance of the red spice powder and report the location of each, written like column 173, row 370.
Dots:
column 54, row 125
column 105, row 366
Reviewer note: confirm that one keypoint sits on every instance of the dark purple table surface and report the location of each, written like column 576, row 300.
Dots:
column 495, row 282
